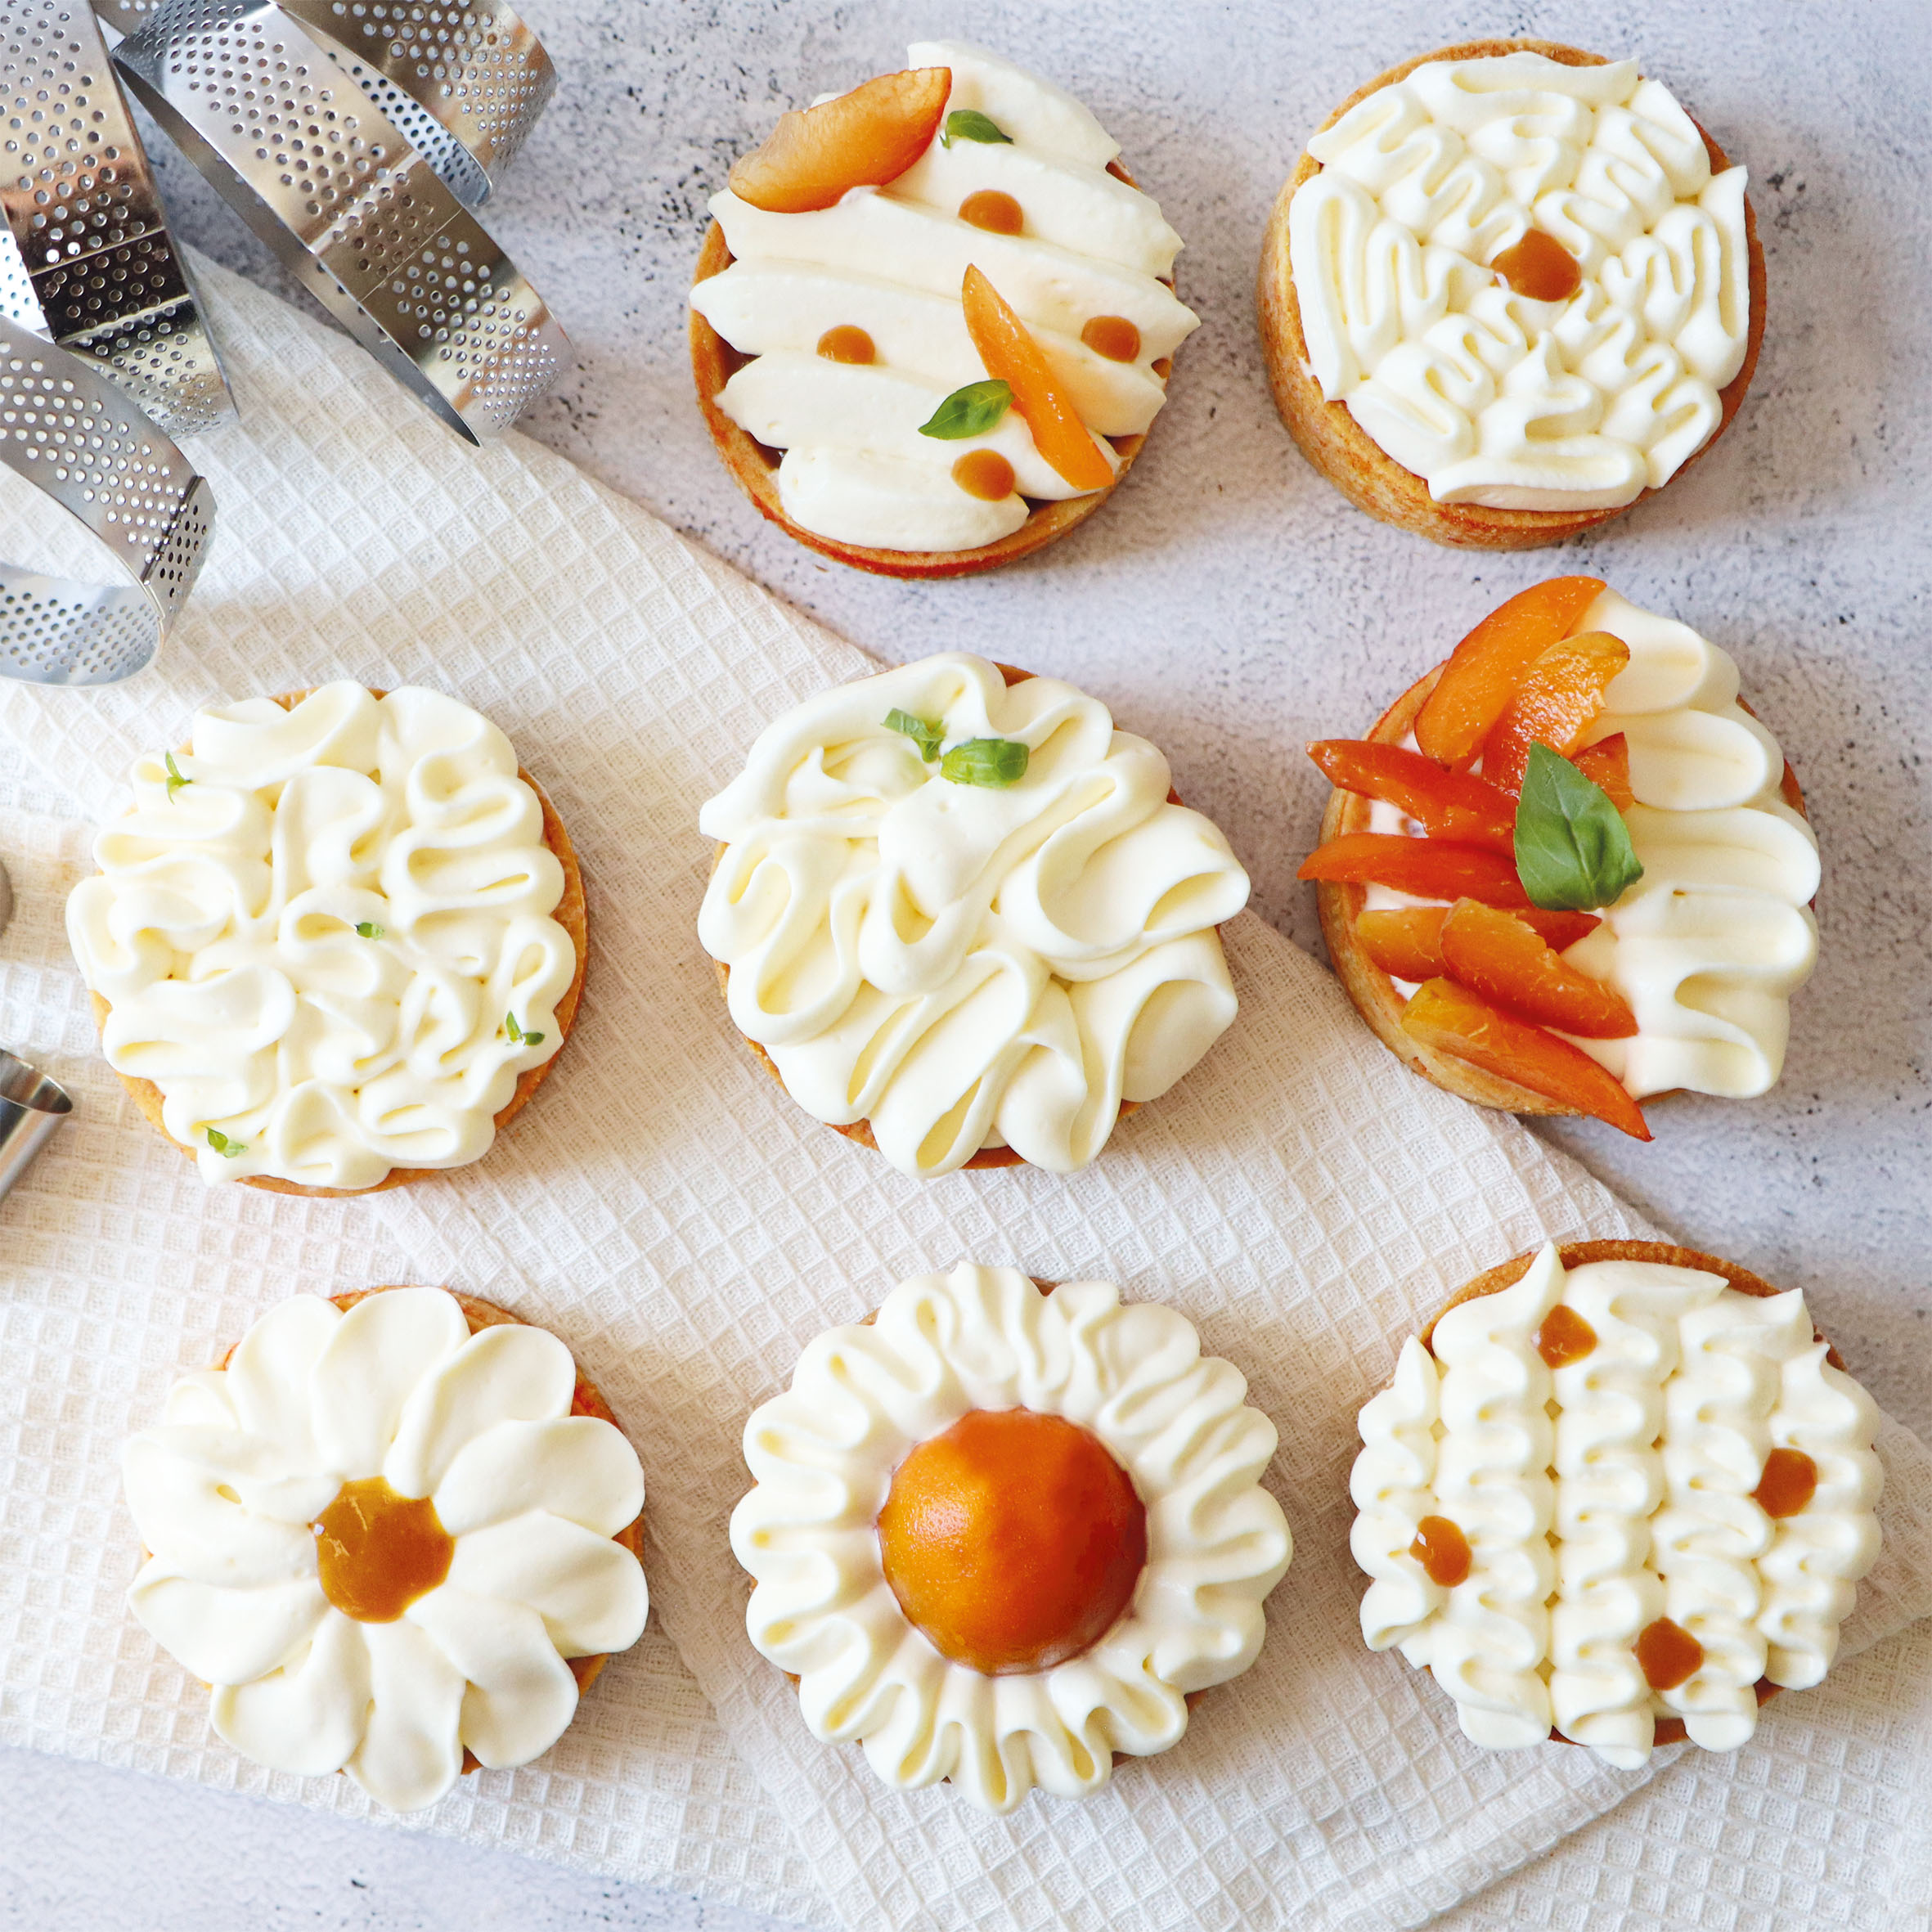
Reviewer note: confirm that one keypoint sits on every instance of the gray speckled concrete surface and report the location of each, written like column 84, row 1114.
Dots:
column 1229, row 604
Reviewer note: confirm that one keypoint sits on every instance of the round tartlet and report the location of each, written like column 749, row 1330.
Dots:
column 281, row 1566
column 976, row 1547
column 1178, row 846
column 1666, row 1482
column 753, row 464
column 1341, row 451
column 570, row 912
column 1382, row 999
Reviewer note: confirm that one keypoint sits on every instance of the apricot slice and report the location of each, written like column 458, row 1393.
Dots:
column 1557, row 702
column 1496, row 955
column 1486, row 667
column 1013, row 357
column 1452, row 1020
column 816, row 156
column 1455, row 805
column 1424, row 868
column 1607, row 764
column 1014, row 1540
column 1406, row 941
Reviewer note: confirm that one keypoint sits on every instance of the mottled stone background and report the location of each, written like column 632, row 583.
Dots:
column 1228, row 605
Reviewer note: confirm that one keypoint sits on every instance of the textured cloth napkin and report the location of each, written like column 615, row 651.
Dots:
column 686, row 1229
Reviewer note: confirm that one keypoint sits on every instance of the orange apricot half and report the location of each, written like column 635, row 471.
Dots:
column 1424, row 868
column 1483, row 671
column 1453, row 1020
column 1013, row 357
column 1506, row 960
column 816, row 156
column 1556, row 704
column 1405, row 941
column 1607, row 764
column 1447, row 804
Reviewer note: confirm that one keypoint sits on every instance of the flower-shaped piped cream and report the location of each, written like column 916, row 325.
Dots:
column 381, row 1538
column 1619, row 1492
column 1000, row 1534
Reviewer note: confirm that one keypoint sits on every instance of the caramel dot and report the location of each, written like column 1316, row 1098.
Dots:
column 847, row 345
column 1113, row 336
column 1564, row 1337
column 1789, row 1481
column 1442, row 1550
column 1541, row 267
column 378, row 1552
column 998, row 213
column 1012, row 1541
column 985, row 473
column 1667, row 1654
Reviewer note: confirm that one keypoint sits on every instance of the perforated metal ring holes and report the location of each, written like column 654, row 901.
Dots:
column 330, row 182
column 85, row 257
column 82, row 442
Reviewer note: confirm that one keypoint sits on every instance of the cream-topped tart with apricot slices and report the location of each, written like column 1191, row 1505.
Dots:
column 934, row 318
column 1569, row 869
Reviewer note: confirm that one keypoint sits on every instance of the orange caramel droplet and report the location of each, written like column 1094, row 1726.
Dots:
column 1012, row 1541
column 1540, row 267
column 997, row 213
column 1113, row 336
column 1789, row 1481
column 1564, row 1337
column 847, row 345
column 1667, row 1654
column 985, row 473
column 378, row 1552
column 1442, row 1550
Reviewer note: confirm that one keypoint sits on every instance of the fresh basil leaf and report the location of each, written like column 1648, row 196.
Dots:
column 368, row 929
column 970, row 411
column 175, row 781
column 995, row 762
column 1573, row 849
column 923, row 732
column 216, row 1139
column 968, row 124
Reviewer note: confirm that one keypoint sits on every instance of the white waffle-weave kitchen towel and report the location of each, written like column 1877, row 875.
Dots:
column 667, row 1210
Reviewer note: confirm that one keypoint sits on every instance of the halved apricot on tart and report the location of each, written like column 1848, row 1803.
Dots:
column 1557, row 700
column 1504, row 958
column 1405, row 941
column 1429, row 868
column 1454, row 805
column 817, row 155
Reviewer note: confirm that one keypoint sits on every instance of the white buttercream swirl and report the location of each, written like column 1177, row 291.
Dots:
column 1490, row 397
column 891, row 261
column 864, row 1397
column 1661, row 1433
column 225, row 1492
column 222, row 931
column 962, row 966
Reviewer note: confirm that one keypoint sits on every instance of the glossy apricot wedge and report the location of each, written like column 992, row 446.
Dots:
column 1406, row 941
column 1424, row 868
column 1504, row 958
column 1557, row 702
column 1455, row 805
column 1013, row 357
column 1607, row 764
column 1452, row 1020
column 1484, row 669
column 816, row 155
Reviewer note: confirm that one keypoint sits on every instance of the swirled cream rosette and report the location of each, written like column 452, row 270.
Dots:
column 962, row 972
column 1619, row 1494
column 946, row 1347
column 325, row 941
column 381, row 1538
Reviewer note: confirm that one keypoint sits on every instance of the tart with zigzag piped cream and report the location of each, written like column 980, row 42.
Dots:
column 1619, row 1493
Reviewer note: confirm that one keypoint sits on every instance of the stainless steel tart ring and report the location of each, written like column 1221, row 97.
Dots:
column 79, row 438
column 85, row 257
column 278, row 119
column 32, row 1106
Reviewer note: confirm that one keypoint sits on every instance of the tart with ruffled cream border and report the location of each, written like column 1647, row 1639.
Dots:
column 436, row 910
column 398, row 1532
column 963, row 920
column 934, row 317
column 1582, row 294
column 1569, row 870
column 1618, row 1493
column 980, row 1522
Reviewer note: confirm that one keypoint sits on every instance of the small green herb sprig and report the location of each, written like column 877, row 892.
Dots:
column 968, row 124
column 368, row 929
column 1573, row 850
column 175, row 781
column 970, row 411
column 222, row 1145
column 518, row 1036
column 994, row 762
